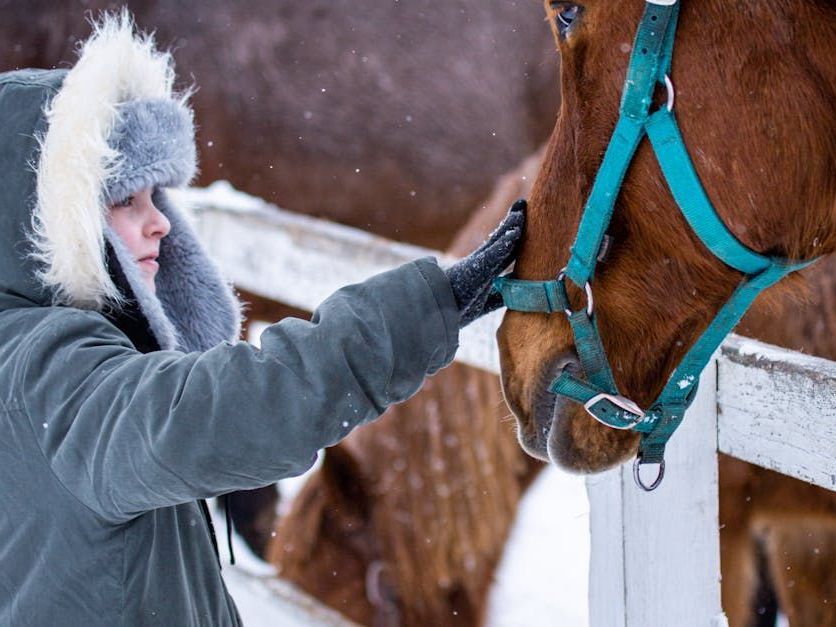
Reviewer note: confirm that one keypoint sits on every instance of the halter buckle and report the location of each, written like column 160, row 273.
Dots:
column 622, row 402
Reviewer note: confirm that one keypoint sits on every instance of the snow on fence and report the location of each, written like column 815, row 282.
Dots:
column 655, row 557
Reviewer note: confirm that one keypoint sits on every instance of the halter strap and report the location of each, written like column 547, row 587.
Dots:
column 685, row 186
column 650, row 63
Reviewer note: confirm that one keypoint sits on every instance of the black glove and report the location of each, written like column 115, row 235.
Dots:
column 472, row 277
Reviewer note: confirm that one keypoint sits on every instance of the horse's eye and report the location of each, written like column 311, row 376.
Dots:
column 565, row 15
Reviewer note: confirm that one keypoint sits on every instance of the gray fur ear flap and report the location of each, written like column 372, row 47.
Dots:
column 200, row 305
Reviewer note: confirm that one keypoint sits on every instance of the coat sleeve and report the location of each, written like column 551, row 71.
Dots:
column 127, row 432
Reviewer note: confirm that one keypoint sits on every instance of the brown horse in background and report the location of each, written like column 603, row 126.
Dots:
column 758, row 115
column 775, row 531
column 356, row 111
column 406, row 521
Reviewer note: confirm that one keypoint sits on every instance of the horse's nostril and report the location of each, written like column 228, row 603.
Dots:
column 567, row 361
column 545, row 398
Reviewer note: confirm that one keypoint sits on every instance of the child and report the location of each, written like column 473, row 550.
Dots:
column 124, row 397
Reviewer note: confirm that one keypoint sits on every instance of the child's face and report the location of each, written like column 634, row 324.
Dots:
column 140, row 226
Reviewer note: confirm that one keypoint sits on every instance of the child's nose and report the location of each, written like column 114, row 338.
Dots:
column 159, row 225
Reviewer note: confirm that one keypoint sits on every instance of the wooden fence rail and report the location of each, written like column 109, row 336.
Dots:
column 655, row 557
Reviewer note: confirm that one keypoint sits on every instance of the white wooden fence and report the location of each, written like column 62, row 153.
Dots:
column 655, row 556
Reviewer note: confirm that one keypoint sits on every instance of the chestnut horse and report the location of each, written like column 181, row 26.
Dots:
column 777, row 534
column 756, row 106
column 407, row 519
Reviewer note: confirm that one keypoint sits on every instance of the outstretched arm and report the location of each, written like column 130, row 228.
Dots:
column 127, row 432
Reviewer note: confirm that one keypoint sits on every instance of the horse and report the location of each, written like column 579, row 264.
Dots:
column 353, row 111
column 406, row 520
column 778, row 534
column 754, row 97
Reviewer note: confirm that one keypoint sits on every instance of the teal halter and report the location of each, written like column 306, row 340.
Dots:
column 650, row 63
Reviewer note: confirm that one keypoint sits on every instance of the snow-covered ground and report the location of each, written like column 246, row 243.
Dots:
column 543, row 576
column 541, row 580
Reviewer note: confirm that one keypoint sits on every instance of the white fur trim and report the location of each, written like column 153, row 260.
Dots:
column 75, row 160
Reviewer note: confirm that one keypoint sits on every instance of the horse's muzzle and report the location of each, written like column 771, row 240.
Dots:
column 537, row 437
column 560, row 431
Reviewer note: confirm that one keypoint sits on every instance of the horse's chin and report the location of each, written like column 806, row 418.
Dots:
column 559, row 430
column 579, row 443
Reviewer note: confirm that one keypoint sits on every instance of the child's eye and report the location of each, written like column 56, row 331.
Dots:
column 125, row 202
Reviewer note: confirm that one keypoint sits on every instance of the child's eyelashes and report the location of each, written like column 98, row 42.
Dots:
column 125, row 202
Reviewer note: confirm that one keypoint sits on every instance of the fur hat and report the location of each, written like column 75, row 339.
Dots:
column 155, row 143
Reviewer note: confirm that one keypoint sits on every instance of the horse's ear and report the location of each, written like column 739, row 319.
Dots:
column 345, row 482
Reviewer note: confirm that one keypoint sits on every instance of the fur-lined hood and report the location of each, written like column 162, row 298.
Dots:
column 60, row 166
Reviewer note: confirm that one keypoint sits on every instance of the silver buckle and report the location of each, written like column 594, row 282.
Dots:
column 620, row 401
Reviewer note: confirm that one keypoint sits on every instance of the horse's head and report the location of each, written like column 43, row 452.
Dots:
column 755, row 101
column 326, row 544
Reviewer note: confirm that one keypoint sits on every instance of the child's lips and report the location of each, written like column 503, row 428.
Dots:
column 149, row 264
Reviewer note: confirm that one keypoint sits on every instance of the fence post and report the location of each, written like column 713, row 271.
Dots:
column 655, row 557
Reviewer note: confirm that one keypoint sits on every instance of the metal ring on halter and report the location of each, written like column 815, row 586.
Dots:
column 638, row 479
column 669, row 87
column 587, row 288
